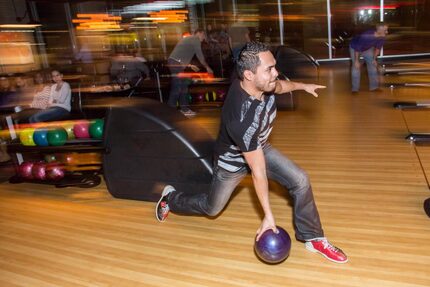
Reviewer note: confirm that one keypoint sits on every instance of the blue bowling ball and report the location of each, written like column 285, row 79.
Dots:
column 273, row 248
column 40, row 137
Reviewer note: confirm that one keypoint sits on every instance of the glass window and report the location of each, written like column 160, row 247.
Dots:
column 409, row 27
column 351, row 18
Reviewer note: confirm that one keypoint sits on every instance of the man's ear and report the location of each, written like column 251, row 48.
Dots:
column 248, row 75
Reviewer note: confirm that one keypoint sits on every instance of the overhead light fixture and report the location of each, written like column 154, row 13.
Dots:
column 97, row 22
column 165, row 16
column 153, row 6
column 20, row 26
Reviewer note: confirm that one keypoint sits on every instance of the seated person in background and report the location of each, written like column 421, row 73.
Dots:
column 6, row 92
column 128, row 69
column 41, row 94
column 22, row 92
column 59, row 104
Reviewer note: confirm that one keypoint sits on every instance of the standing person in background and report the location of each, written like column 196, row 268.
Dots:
column 239, row 36
column 368, row 45
column 59, row 104
column 126, row 68
column 179, row 59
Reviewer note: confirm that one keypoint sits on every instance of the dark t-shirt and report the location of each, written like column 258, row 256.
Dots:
column 246, row 124
column 365, row 41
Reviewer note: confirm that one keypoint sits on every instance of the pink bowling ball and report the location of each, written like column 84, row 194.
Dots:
column 39, row 170
column 54, row 171
column 81, row 129
column 25, row 170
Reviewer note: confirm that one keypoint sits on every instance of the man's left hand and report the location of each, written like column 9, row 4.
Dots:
column 310, row 88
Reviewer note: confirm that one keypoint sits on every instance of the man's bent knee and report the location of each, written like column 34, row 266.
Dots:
column 214, row 211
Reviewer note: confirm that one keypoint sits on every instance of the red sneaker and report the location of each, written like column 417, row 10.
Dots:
column 162, row 208
column 323, row 246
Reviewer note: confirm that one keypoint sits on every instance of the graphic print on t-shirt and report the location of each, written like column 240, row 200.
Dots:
column 246, row 124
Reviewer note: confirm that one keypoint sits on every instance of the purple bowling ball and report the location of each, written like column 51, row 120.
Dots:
column 39, row 170
column 273, row 248
column 25, row 170
column 54, row 171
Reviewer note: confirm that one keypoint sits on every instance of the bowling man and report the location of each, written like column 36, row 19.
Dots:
column 242, row 146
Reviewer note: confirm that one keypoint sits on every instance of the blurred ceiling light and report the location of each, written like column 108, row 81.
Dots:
column 15, row 31
column 375, row 7
column 148, row 18
column 361, row 12
column 97, row 22
column 165, row 16
column 20, row 26
column 369, row 11
column 153, row 6
column 143, row 27
column 161, row 5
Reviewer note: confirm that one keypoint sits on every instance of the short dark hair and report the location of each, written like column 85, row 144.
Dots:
column 248, row 57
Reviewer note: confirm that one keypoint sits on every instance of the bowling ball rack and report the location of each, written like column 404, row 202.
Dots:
column 84, row 176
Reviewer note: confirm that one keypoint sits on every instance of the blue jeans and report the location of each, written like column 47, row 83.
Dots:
column 178, row 86
column 372, row 72
column 50, row 114
column 307, row 223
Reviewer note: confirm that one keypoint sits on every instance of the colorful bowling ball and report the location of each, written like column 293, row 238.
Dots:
column 69, row 129
column 57, row 136
column 273, row 248
column 199, row 98
column 25, row 170
column 81, row 129
column 40, row 137
column 39, row 170
column 96, row 129
column 68, row 158
column 50, row 157
column 26, row 137
column 210, row 96
column 221, row 96
column 54, row 171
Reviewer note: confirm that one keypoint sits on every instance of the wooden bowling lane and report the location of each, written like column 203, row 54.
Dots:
column 367, row 181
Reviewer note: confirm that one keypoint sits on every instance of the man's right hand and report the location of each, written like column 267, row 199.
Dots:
column 266, row 224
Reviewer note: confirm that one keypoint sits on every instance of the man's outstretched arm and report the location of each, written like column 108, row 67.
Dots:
column 283, row 86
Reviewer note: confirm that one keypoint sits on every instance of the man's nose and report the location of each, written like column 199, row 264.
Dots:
column 275, row 72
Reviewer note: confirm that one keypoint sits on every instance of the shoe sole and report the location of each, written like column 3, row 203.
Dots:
column 167, row 189
column 313, row 250
column 189, row 115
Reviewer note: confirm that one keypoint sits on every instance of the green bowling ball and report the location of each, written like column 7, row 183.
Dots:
column 50, row 158
column 57, row 136
column 96, row 129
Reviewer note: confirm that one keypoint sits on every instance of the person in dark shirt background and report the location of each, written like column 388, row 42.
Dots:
column 179, row 59
column 368, row 45
column 242, row 145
